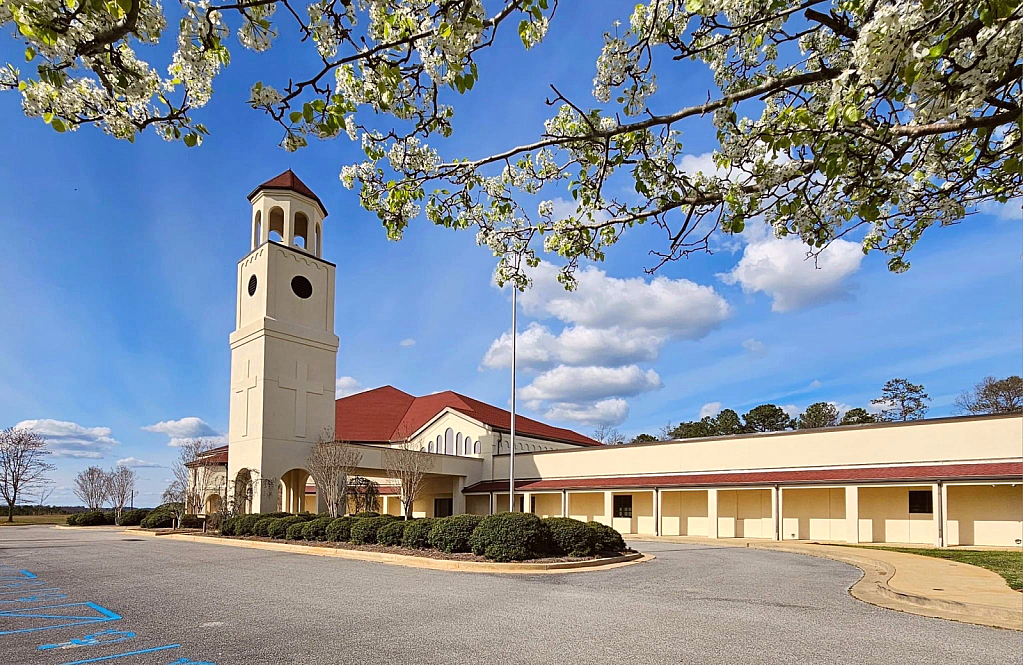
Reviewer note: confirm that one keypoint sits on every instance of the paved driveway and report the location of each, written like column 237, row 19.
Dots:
column 172, row 600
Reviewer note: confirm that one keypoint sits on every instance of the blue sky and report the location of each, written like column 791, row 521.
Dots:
column 118, row 284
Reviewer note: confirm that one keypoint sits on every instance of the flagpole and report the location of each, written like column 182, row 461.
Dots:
column 511, row 448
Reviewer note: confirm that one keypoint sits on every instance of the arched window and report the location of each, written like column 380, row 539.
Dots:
column 476, row 448
column 440, row 446
column 276, row 225
column 302, row 231
column 449, row 441
column 458, row 444
column 257, row 230
column 429, row 446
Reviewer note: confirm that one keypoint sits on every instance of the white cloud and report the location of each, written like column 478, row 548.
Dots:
column 612, row 411
column 754, row 346
column 779, row 267
column 538, row 347
column 406, row 342
column 185, row 430
column 792, row 410
column 137, row 463
column 680, row 307
column 1011, row 210
column 582, row 384
column 71, row 440
column 710, row 409
column 815, row 384
column 346, row 385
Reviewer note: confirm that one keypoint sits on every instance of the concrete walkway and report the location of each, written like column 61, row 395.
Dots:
column 906, row 582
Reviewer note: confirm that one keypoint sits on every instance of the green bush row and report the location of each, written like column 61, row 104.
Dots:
column 501, row 537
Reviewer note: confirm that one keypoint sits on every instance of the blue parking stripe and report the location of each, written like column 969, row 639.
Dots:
column 122, row 655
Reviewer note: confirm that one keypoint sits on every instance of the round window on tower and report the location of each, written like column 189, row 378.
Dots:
column 252, row 285
column 301, row 286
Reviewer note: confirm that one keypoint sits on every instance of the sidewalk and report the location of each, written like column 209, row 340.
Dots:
column 906, row 582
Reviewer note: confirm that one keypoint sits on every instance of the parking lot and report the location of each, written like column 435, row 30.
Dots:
column 77, row 596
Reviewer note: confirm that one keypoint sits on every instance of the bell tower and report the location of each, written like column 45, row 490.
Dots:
column 283, row 349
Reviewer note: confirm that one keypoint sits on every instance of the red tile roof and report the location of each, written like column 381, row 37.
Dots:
column 388, row 414
column 289, row 181
column 809, row 476
column 212, row 457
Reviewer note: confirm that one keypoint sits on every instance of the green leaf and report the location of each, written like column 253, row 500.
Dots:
column 29, row 54
column 694, row 6
column 191, row 140
column 852, row 114
column 295, row 116
column 58, row 125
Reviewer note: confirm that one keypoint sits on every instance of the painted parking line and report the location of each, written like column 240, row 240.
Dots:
column 100, row 659
column 64, row 618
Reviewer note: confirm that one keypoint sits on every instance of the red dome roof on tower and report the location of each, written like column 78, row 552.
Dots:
column 291, row 182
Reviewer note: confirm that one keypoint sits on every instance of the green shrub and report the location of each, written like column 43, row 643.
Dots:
column 190, row 522
column 227, row 527
column 262, row 525
column 295, row 531
column 364, row 530
column 72, row 520
column 510, row 537
column 452, row 534
column 417, row 533
column 91, row 518
column 608, row 539
column 244, row 524
column 110, row 517
column 392, row 533
column 158, row 519
column 133, row 517
column 339, row 530
column 278, row 527
column 316, row 529
column 570, row 537
column 367, row 513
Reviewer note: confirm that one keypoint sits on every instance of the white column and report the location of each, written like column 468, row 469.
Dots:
column 289, row 226
column 852, row 514
column 657, row 511
column 608, row 508
column 457, row 498
column 776, row 512
column 936, row 506
column 526, row 497
column 944, row 515
column 712, row 513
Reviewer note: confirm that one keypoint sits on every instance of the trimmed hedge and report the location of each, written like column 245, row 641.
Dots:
column 510, row 537
column 278, row 527
column 339, row 530
column 608, row 539
column 316, row 529
column 570, row 537
column 91, row 518
column 392, row 532
column 417, row 533
column 262, row 525
column 452, row 534
column 244, row 524
column 191, row 522
column 367, row 513
column 364, row 530
column 294, row 531
column 158, row 519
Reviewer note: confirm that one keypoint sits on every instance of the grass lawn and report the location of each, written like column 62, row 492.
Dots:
column 22, row 520
column 1007, row 563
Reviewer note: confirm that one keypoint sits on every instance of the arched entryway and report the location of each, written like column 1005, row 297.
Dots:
column 243, row 492
column 293, row 494
column 214, row 503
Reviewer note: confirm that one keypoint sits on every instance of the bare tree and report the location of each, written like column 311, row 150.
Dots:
column 992, row 395
column 407, row 465
column 43, row 494
column 608, row 435
column 22, row 465
column 196, row 472
column 331, row 463
column 120, row 486
column 176, row 495
column 91, row 487
column 667, row 432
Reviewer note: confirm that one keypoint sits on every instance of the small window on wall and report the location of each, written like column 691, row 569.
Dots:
column 476, row 448
column 622, row 505
column 921, row 502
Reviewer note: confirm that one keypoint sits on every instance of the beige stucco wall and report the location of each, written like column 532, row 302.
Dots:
column 745, row 514
column 458, row 424
column 588, row 507
column 547, row 505
column 477, row 504
column 884, row 517
column 684, row 513
column 813, row 513
column 914, row 443
column 985, row 515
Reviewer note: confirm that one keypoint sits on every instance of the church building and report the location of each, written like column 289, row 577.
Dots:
column 943, row 482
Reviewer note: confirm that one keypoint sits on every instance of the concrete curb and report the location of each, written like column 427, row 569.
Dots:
column 874, row 588
column 419, row 562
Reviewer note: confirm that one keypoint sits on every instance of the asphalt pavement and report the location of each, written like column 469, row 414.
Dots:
column 77, row 596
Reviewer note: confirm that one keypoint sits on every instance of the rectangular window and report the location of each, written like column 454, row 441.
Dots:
column 921, row 502
column 442, row 507
column 622, row 505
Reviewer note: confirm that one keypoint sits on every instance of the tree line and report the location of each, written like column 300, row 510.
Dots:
column 900, row 400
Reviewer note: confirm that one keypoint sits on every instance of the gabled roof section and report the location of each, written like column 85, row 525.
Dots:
column 212, row 457
column 290, row 182
column 388, row 414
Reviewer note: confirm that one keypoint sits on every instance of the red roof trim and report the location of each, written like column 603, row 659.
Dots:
column 810, row 476
column 290, row 182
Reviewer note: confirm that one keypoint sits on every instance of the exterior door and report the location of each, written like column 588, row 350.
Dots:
column 442, row 507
